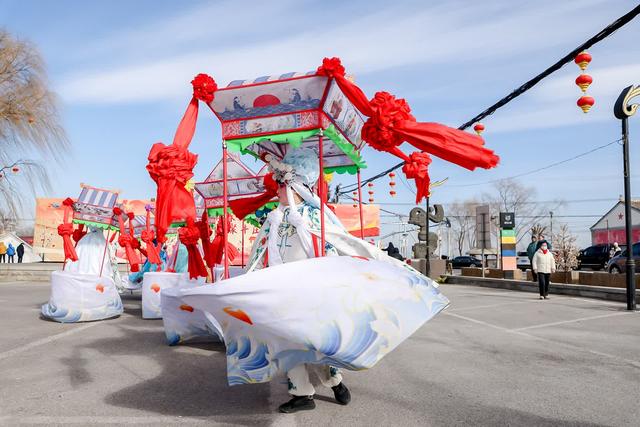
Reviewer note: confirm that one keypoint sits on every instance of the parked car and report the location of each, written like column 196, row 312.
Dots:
column 465, row 261
column 594, row 257
column 618, row 264
column 522, row 261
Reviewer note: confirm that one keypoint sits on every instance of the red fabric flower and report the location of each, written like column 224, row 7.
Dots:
column 171, row 167
column 388, row 112
column 331, row 67
column 417, row 168
column 204, row 88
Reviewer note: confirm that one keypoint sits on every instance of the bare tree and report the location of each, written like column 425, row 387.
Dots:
column 462, row 217
column 512, row 196
column 565, row 249
column 29, row 123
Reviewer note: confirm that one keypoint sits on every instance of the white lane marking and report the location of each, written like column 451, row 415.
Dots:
column 534, row 337
column 599, row 301
column 86, row 420
column 491, row 305
column 46, row 340
column 564, row 322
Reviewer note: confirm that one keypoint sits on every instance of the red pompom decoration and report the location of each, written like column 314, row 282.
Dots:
column 331, row 67
column 204, row 87
column 117, row 211
column 378, row 130
column 68, row 202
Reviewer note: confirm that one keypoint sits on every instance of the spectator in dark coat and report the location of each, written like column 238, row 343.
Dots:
column 20, row 252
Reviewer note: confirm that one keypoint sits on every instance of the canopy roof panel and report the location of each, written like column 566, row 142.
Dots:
column 94, row 207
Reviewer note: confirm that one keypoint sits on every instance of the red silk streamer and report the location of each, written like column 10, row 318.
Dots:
column 189, row 236
column 171, row 166
column 205, row 237
column 218, row 243
column 66, row 231
column 243, row 207
column 125, row 240
column 135, row 243
column 79, row 233
column 147, row 237
column 390, row 123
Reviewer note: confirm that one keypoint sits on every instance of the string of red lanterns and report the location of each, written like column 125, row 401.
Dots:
column 371, row 200
column 392, row 184
column 583, row 81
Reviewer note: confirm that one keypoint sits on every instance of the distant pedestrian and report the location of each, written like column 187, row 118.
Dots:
column 11, row 252
column 615, row 250
column 541, row 240
column 20, row 252
column 531, row 251
column 544, row 264
column 3, row 252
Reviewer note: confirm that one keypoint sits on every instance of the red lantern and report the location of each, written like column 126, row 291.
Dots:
column 392, row 175
column 355, row 206
column 583, row 81
column 15, row 169
column 370, row 199
column 392, row 184
column 370, row 184
column 586, row 102
column 371, row 193
column 393, row 193
column 583, row 59
column 479, row 128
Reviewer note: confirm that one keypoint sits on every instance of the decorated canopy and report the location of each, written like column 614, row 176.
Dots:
column 242, row 182
column 270, row 114
column 94, row 207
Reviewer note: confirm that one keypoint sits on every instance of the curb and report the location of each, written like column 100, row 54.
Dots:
column 598, row 292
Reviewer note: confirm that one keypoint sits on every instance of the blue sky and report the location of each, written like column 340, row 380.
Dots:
column 122, row 71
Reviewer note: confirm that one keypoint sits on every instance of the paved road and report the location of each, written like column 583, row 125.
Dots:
column 494, row 358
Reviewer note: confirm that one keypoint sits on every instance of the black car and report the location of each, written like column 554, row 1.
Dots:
column 618, row 264
column 465, row 261
column 594, row 257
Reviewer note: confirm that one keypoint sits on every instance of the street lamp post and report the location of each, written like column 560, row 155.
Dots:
column 623, row 109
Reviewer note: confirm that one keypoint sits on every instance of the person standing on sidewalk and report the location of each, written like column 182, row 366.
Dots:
column 531, row 251
column 543, row 265
column 3, row 252
column 11, row 252
column 20, row 252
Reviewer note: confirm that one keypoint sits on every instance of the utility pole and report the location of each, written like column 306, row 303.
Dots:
column 623, row 109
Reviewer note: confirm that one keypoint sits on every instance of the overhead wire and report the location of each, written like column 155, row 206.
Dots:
column 601, row 35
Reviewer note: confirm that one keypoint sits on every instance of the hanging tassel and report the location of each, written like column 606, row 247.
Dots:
column 189, row 236
column 218, row 244
column 65, row 230
column 126, row 241
column 205, row 237
column 147, row 237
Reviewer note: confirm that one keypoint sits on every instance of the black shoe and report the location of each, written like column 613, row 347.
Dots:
column 342, row 394
column 298, row 403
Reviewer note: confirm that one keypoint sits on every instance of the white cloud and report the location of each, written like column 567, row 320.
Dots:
column 398, row 35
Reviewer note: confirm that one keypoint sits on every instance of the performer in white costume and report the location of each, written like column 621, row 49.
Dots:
column 288, row 238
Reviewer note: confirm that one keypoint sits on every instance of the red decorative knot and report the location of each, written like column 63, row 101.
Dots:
column 331, row 67
column 378, row 130
column 582, row 60
column 117, row 211
column 479, row 128
column 418, row 165
column 146, row 236
column 584, row 81
column 130, row 215
column 586, row 102
column 204, row 88
column 65, row 229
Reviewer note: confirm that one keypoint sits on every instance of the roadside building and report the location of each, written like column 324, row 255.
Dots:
column 610, row 228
